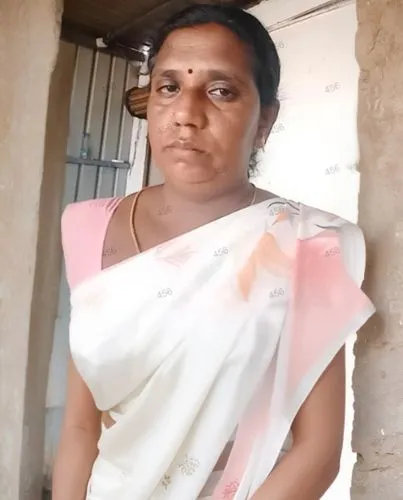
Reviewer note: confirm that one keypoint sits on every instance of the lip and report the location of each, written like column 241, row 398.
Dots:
column 185, row 146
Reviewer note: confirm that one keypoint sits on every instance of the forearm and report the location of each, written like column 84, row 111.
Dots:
column 303, row 474
column 75, row 458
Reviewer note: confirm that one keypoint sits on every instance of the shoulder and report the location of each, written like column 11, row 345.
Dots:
column 83, row 228
column 348, row 237
column 83, row 212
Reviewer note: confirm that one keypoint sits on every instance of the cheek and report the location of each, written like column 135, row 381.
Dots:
column 251, row 129
column 158, row 122
column 238, row 131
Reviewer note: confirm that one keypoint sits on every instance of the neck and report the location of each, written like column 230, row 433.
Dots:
column 209, row 199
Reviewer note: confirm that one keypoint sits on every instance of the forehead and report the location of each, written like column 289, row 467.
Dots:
column 208, row 46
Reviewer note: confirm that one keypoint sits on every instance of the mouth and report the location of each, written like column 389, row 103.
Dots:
column 185, row 146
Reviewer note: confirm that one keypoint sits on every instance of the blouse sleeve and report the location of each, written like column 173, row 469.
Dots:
column 83, row 227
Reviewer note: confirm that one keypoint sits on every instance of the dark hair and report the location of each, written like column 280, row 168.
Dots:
column 265, row 60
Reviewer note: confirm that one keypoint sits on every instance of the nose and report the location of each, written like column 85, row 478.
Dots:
column 189, row 110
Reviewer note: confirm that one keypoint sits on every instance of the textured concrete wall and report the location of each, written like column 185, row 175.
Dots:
column 47, row 272
column 378, row 380
column 30, row 187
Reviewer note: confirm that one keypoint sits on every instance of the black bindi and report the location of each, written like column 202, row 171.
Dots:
column 190, row 71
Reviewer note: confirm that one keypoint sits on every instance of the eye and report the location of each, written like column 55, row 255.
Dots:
column 168, row 89
column 222, row 93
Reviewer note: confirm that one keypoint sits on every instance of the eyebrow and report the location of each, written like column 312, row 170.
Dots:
column 212, row 74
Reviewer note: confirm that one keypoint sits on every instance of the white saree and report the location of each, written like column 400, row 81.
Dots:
column 226, row 327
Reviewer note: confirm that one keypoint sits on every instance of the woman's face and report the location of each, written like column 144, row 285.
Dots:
column 204, row 109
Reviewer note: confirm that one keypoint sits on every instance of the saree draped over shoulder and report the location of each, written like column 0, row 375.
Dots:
column 226, row 327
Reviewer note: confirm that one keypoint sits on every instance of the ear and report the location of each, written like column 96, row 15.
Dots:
column 268, row 117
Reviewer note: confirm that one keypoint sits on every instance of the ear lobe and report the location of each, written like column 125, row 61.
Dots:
column 268, row 117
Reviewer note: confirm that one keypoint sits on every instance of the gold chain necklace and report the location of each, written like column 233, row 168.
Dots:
column 133, row 209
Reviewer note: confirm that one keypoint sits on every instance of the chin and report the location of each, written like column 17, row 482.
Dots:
column 190, row 173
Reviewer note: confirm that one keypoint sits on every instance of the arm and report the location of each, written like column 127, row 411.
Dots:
column 310, row 467
column 78, row 443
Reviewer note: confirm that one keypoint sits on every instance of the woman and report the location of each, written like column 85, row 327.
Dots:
column 206, row 308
